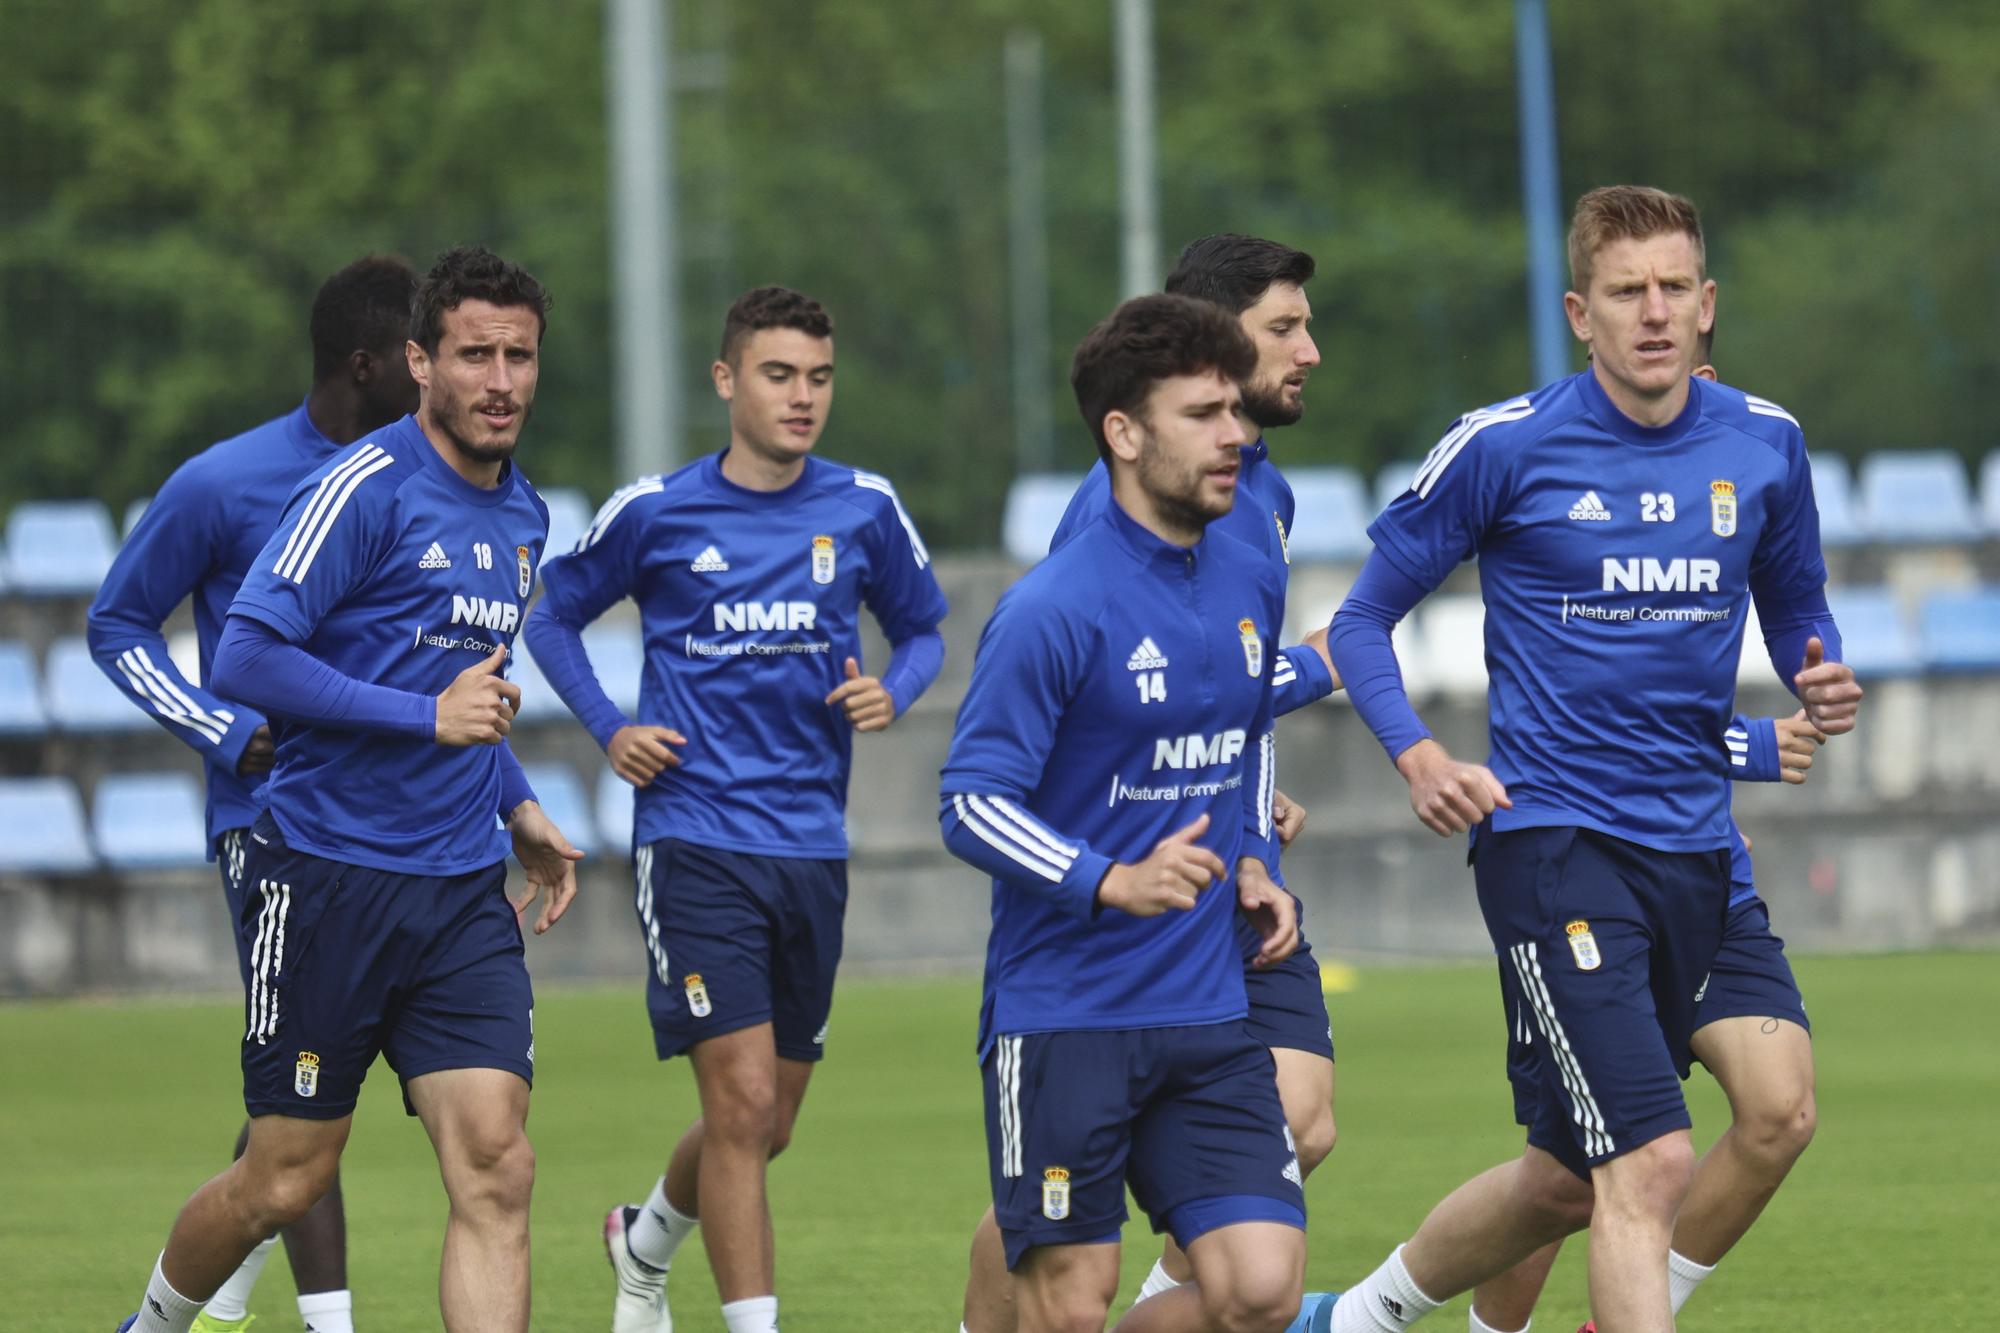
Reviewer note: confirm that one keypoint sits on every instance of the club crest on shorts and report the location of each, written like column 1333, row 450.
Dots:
column 1284, row 539
column 1055, row 1193
column 1253, row 646
column 822, row 561
column 1583, row 945
column 1722, row 508
column 697, row 994
column 525, row 568
column 305, row 1076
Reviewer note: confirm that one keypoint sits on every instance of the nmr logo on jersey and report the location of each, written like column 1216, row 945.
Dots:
column 1198, row 751
column 1649, row 575
column 750, row 617
column 493, row 614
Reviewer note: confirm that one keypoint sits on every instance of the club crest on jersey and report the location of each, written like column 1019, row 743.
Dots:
column 524, row 568
column 697, row 994
column 1722, row 508
column 822, row 559
column 1055, row 1193
column 1284, row 539
column 1583, row 945
column 305, row 1076
column 1253, row 646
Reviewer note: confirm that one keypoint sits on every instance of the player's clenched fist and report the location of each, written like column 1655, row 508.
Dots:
column 1828, row 690
column 1798, row 741
column 1170, row 878
column 1449, row 797
column 864, row 699
column 640, row 754
column 478, row 707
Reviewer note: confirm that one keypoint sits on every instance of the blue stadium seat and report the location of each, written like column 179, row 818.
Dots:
column 1392, row 481
column 614, row 810
column 569, row 518
column 1917, row 496
column 20, row 700
column 1875, row 636
column 59, row 548
column 1960, row 631
column 618, row 656
column 562, row 800
column 1035, row 505
column 1989, row 492
column 79, row 697
column 1331, row 522
column 149, row 821
column 1833, row 490
column 44, row 822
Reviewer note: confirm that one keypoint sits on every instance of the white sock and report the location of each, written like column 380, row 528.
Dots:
column 659, row 1228
column 759, row 1314
column 165, row 1310
column 1477, row 1325
column 327, row 1311
column 232, row 1299
column 1156, row 1282
column 1683, row 1276
column 1386, row 1300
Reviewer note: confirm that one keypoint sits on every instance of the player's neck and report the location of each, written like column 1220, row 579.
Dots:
column 745, row 467
column 478, row 472
column 337, row 414
column 1643, row 411
column 1130, row 496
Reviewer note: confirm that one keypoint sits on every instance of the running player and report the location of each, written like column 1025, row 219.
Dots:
column 1750, row 1032
column 197, row 538
column 1135, row 660
column 371, row 629
column 1262, row 284
column 750, row 568
column 1619, row 517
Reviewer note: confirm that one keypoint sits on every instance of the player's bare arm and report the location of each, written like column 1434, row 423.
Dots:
column 866, row 702
column 1449, row 796
column 1317, row 642
column 1828, row 690
column 478, row 707
column 1171, row 877
column 1271, row 910
column 639, row 754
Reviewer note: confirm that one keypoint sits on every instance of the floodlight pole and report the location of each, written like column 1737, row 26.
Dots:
column 1028, row 251
column 644, row 277
column 1138, row 168
column 1534, row 84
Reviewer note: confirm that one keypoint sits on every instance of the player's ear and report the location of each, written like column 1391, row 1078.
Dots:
column 419, row 361
column 1121, row 436
column 1707, row 321
column 724, row 380
column 1579, row 316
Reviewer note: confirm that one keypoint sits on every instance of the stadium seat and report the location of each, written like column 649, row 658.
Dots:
column 1453, row 639
column 134, row 512
column 569, row 518
column 44, row 822
column 20, row 700
column 1917, row 496
column 149, row 821
column 1874, row 634
column 1035, row 505
column 618, row 656
column 1392, row 481
column 1989, row 493
column 79, row 697
column 1331, row 520
column 1960, row 631
column 1833, row 491
column 614, row 809
column 59, row 548
column 562, row 800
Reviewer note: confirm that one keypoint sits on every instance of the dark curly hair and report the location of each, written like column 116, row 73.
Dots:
column 1149, row 339
column 771, row 308
column 364, row 307
column 472, row 273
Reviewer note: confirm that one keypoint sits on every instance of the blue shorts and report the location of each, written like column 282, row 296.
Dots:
column 347, row 962
column 1187, row 1116
column 736, row 940
column 1287, row 1002
column 1603, row 946
column 230, row 849
column 1751, row 978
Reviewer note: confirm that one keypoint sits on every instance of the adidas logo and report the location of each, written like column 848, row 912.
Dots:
column 710, row 561
column 435, row 558
column 1146, row 657
column 1590, row 509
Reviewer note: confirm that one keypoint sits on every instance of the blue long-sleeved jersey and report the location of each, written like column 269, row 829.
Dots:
column 1120, row 692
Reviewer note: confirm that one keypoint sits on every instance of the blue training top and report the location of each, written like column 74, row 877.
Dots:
column 1121, row 691
column 391, row 569
column 751, row 604
column 198, row 538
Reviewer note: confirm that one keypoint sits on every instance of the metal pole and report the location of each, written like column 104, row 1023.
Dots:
column 1138, row 172
column 1541, row 190
column 644, row 290
column 1028, row 252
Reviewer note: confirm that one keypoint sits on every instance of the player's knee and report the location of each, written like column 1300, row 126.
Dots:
column 781, row 1136
column 278, row 1198
column 1252, row 1302
column 1561, row 1198
column 1072, row 1312
column 495, row 1168
column 1774, row 1135
column 746, row 1116
column 1652, row 1179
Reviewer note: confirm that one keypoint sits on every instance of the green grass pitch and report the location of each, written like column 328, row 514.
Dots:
column 113, row 1111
